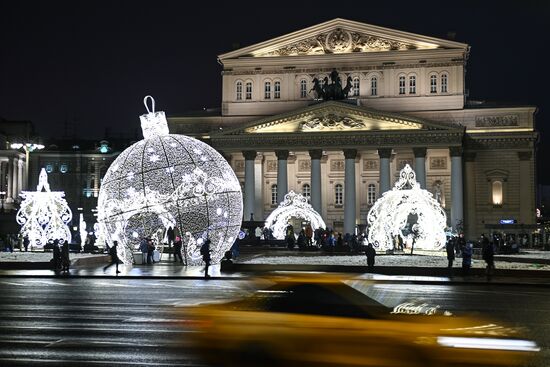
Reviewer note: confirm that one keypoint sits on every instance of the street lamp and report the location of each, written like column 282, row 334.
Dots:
column 27, row 147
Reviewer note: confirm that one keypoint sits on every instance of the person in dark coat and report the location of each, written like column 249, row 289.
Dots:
column 56, row 256
column 150, row 251
column 205, row 252
column 371, row 254
column 488, row 254
column 466, row 259
column 450, row 247
column 460, row 243
column 177, row 249
column 114, row 257
column 26, row 243
column 65, row 261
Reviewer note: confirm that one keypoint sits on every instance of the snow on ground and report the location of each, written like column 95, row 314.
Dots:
column 36, row 256
column 419, row 260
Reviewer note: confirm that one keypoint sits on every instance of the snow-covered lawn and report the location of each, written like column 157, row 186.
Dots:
column 36, row 256
column 420, row 260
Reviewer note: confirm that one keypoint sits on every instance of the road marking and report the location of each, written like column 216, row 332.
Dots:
column 11, row 283
column 76, row 362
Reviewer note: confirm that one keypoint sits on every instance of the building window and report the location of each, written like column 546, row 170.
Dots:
column 277, row 90
column 356, row 87
column 267, row 90
column 248, row 90
column 412, row 84
column 63, row 168
column 402, row 84
column 371, row 194
column 274, row 195
column 373, row 86
column 497, row 192
column 239, row 91
column 303, row 88
column 433, row 84
column 444, row 83
column 49, row 168
column 306, row 192
column 338, row 194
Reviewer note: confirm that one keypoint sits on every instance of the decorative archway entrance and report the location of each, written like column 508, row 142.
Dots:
column 293, row 206
column 409, row 212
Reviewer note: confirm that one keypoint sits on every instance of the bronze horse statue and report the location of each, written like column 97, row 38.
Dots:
column 348, row 87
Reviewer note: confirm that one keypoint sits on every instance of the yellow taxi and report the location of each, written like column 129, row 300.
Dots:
column 320, row 320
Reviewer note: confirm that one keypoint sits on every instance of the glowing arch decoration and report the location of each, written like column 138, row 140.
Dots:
column 169, row 180
column 44, row 214
column 391, row 216
column 293, row 206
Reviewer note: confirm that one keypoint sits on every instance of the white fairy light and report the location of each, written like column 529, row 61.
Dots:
column 178, row 190
column 389, row 216
column 44, row 215
column 293, row 206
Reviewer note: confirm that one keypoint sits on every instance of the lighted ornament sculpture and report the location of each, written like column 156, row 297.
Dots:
column 293, row 206
column 44, row 214
column 168, row 180
column 389, row 217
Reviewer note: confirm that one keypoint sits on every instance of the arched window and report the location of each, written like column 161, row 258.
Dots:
column 444, row 79
column 402, row 84
column 49, row 168
column 371, row 194
column 306, row 192
column 412, row 84
column 373, row 86
column 277, row 92
column 338, row 194
column 303, row 88
column 433, row 84
column 497, row 192
column 267, row 90
column 355, row 87
column 248, row 90
column 274, row 195
column 239, row 93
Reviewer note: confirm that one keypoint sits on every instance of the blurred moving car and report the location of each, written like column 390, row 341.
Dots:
column 320, row 320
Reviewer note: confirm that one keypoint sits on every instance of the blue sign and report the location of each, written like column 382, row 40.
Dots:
column 508, row 221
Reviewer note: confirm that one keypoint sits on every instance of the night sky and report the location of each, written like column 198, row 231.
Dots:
column 81, row 67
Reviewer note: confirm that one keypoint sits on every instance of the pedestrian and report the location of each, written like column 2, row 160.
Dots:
column 56, row 256
column 371, row 254
column 150, row 251
column 170, row 237
column 144, row 248
column 226, row 264
column 488, row 254
column 466, row 259
column 177, row 249
column 460, row 243
column 450, row 247
column 205, row 252
column 114, row 257
column 309, row 235
column 258, row 234
column 65, row 261
column 26, row 243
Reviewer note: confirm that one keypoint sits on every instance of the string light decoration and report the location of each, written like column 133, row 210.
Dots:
column 44, row 214
column 294, row 205
column 390, row 216
column 169, row 180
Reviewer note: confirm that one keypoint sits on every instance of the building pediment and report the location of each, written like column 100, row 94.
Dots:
column 340, row 36
column 333, row 117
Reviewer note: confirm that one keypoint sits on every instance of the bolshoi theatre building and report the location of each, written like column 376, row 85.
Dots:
column 336, row 110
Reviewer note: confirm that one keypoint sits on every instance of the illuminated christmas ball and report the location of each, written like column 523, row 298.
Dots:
column 168, row 180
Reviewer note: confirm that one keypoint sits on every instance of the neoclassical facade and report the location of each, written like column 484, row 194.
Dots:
column 405, row 103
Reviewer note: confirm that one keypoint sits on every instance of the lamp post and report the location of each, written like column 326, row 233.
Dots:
column 27, row 147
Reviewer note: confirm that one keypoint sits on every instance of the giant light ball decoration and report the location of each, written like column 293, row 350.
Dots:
column 391, row 213
column 168, row 180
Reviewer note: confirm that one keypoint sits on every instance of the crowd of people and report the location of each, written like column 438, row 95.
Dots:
column 458, row 247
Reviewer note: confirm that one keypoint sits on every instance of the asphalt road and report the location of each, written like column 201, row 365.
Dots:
column 121, row 322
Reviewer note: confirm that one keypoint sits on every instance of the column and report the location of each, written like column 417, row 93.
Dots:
column 470, row 220
column 2, row 176
column 349, row 192
column 9, row 183
column 282, row 175
column 385, row 183
column 249, row 184
column 457, row 215
column 420, row 166
column 526, row 184
column 316, row 179
column 14, row 176
column 20, row 175
column 258, row 191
